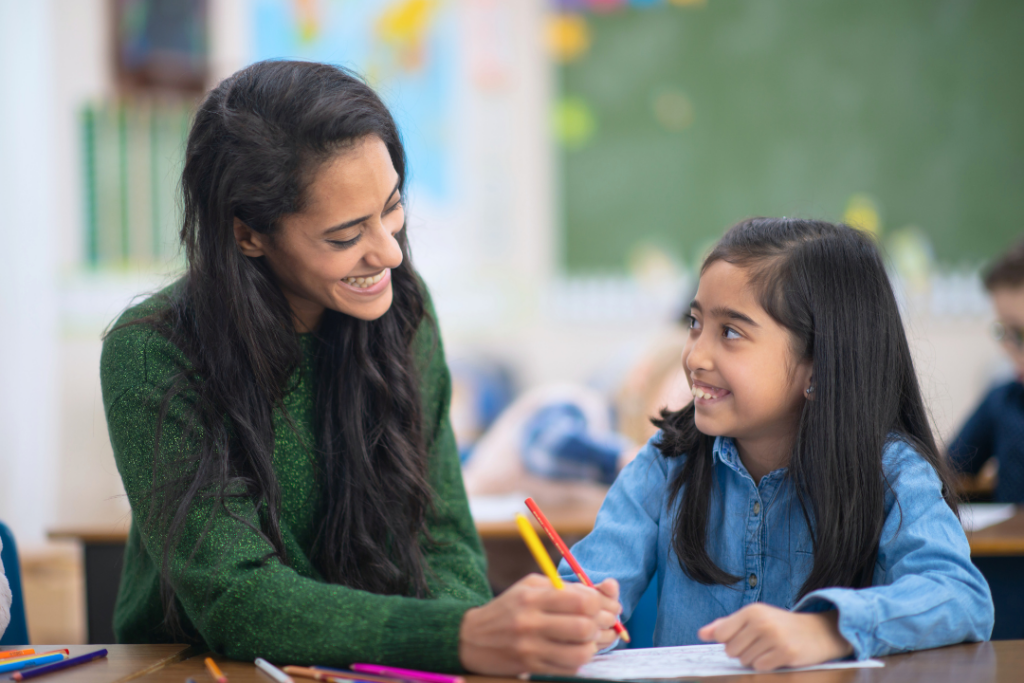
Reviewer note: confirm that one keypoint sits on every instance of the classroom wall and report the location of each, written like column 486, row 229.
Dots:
column 28, row 296
column 491, row 261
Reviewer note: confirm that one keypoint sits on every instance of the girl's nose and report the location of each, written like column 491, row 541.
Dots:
column 695, row 355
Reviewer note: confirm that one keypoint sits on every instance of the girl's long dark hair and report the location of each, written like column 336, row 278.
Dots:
column 254, row 147
column 828, row 286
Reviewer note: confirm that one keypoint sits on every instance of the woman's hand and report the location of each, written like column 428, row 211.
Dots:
column 767, row 638
column 532, row 627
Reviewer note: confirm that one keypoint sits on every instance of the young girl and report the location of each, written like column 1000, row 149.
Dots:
column 798, row 510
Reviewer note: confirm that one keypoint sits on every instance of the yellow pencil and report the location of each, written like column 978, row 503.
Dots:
column 539, row 552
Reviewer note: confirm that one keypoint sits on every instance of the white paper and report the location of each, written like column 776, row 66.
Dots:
column 497, row 508
column 685, row 661
column 977, row 516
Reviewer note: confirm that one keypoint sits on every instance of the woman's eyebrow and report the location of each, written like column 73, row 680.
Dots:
column 357, row 221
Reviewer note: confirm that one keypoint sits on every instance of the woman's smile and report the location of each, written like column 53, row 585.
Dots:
column 370, row 284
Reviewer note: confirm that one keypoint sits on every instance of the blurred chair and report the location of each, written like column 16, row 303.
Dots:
column 17, row 630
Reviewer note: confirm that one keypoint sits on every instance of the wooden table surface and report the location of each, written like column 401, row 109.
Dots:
column 569, row 521
column 122, row 663
column 1003, row 539
column 997, row 662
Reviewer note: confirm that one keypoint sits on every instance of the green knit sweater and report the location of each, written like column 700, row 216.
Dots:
column 227, row 595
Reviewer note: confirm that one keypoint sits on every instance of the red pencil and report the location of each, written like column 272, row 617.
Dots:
column 564, row 549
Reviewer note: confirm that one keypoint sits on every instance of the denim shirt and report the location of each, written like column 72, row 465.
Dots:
column 925, row 592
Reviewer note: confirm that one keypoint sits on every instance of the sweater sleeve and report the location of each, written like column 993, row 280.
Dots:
column 456, row 561
column 246, row 603
column 973, row 445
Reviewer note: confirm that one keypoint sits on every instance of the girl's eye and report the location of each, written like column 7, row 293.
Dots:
column 394, row 206
column 692, row 322
column 730, row 333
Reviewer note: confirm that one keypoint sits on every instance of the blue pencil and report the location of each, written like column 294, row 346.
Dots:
column 32, row 661
column 80, row 659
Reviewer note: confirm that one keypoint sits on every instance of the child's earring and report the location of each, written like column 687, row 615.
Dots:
column 809, row 392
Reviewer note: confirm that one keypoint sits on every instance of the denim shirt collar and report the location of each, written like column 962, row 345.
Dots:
column 725, row 452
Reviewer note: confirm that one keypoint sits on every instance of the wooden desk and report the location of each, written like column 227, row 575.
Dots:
column 998, row 662
column 1005, row 539
column 122, row 663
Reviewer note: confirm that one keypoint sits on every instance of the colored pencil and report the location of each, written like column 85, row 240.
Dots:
column 552, row 678
column 22, row 658
column 321, row 674
column 34, row 660
column 215, row 671
column 537, row 548
column 73, row 661
column 7, row 654
column 407, row 674
column 272, row 671
column 343, row 674
column 570, row 560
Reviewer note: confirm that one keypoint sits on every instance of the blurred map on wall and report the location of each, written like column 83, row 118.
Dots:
column 406, row 49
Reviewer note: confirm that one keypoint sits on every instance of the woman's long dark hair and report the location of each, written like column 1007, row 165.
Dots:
column 828, row 286
column 254, row 147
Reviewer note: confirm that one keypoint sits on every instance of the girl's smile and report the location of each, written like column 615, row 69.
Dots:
column 705, row 394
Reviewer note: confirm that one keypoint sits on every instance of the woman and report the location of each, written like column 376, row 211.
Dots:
column 279, row 415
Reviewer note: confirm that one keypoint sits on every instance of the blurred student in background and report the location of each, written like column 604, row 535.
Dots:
column 563, row 440
column 996, row 429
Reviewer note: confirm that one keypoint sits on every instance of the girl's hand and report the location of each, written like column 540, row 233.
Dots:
column 532, row 627
column 767, row 638
column 609, row 588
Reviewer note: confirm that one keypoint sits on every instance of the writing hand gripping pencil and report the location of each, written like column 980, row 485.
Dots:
column 570, row 560
column 544, row 560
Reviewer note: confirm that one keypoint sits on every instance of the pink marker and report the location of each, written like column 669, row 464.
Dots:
column 408, row 674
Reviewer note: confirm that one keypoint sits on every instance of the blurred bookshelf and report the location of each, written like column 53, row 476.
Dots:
column 133, row 155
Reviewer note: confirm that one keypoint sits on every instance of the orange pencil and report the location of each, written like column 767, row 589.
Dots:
column 16, row 653
column 564, row 549
column 215, row 671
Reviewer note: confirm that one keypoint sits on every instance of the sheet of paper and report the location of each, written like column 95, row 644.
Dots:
column 977, row 516
column 497, row 508
column 685, row 661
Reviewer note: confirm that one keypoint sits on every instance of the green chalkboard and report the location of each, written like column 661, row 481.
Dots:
column 688, row 119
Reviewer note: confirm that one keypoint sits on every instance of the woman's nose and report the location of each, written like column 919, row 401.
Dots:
column 385, row 251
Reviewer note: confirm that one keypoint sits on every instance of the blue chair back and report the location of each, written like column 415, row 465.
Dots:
column 17, row 630
column 645, row 616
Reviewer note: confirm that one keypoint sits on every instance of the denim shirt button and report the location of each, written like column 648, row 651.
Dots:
column 752, row 581
column 757, row 507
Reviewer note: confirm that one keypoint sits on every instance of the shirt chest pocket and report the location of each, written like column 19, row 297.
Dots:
column 800, row 564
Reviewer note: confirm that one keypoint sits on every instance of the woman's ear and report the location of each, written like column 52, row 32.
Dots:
column 250, row 242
